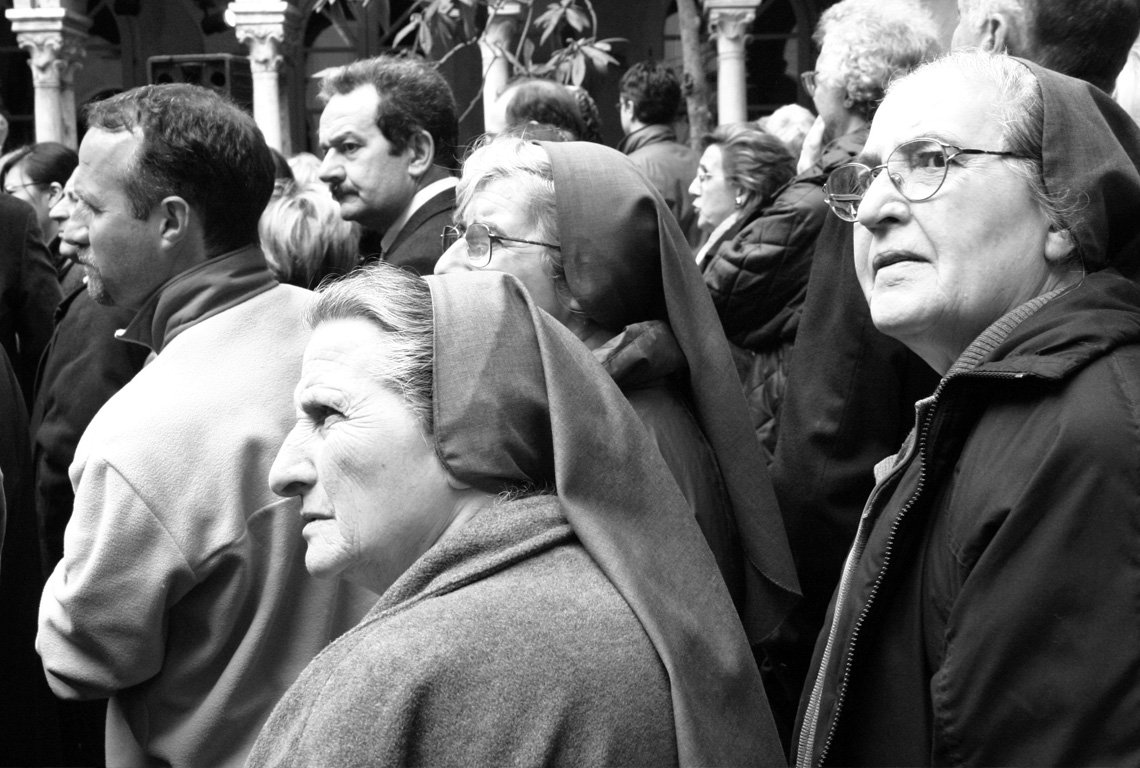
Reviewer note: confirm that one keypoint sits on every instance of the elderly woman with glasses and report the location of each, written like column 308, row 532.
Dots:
column 598, row 248
column 987, row 613
column 545, row 596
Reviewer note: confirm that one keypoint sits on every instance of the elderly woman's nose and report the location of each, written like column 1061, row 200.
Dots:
column 454, row 259
column 292, row 472
column 882, row 203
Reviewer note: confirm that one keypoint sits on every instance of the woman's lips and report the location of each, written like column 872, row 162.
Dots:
column 890, row 258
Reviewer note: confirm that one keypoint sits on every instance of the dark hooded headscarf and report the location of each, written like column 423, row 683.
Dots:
column 1090, row 152
column 627, row 261
column 518, row 400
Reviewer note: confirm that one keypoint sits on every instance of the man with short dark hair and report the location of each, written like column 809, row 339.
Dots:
column 650, row 98
column 182, row 593
column 388, row 131
column 1088, row 40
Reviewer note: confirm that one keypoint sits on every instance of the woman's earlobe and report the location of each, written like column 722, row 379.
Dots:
column 1059, row 245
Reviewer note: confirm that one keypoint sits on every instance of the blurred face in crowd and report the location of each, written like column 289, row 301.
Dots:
column 830, row 97
column 714, row 198
column 374, row 496
column 372, row 185
column 502, row 207
column 68, row 228
column 19, row 185
column 969, row 33
column 936, row 273
column 120, row 252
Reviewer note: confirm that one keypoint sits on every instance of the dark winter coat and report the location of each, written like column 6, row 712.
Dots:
column 988, row 614
column 758, row 279
column 670, row 165
column 29, row 290
column 83, row 365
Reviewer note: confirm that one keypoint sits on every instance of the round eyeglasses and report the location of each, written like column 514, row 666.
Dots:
column 479, row 240
column 917, row 168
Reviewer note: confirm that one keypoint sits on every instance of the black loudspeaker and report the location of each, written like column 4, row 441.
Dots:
column 221, row 72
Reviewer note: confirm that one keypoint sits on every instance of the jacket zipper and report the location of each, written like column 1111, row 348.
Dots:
column 811, row 715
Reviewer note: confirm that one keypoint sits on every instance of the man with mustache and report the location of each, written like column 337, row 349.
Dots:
column 388, row 132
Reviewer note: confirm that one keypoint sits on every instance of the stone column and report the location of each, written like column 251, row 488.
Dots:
column 729, row 22
column 498, row 35
column 270, row 29
column 55, row 39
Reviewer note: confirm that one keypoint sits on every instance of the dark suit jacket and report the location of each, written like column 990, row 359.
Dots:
column 29, row 290
column 419, row 246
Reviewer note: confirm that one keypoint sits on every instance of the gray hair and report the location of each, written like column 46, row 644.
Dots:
column 399, row 304
column 527, row 166
column 880, row 39
column 1020, row 110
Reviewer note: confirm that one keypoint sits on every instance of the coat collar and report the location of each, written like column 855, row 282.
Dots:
column 643, row 137
column 200, row 292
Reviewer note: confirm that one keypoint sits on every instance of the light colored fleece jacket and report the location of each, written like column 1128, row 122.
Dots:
column 183, row 594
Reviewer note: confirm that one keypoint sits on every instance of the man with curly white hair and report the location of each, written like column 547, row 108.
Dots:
column 863, row 45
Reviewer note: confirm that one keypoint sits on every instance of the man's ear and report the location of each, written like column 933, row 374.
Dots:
column 174, row 219
column 422, row 150
column 995, row 32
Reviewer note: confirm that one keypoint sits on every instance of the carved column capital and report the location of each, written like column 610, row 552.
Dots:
column 731, row 23
column 269, row 28
column 55, row 40
column 268, row 44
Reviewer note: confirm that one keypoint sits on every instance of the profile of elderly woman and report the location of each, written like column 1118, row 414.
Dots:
column 757, row 259
column 987, row 613
column 598, row 248
column 545, row 595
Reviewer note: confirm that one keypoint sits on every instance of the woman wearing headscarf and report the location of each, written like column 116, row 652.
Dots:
column 545, row 599
column 598, row 248
column 987, row 613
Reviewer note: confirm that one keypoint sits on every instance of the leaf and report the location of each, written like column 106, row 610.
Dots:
column 578, row 70
column 424, row 39
column 577, row 19
column 412, row 26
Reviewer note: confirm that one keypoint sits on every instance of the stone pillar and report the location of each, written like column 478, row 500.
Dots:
column 55, row 39
column 498, row 35
column 729, row 22
column 270, row 29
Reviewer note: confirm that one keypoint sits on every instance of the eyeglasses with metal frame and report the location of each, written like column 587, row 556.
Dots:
column 808, row 80
column 917, row 168
column 480, row 240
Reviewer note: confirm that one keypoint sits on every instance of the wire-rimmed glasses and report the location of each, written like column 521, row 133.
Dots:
column 480, row 239
column 917, row 168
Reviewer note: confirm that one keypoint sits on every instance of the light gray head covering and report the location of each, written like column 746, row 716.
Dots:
column 519, row 400
column 627, row 261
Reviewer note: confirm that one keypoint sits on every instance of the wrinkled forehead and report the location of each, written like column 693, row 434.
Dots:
column 943, row 104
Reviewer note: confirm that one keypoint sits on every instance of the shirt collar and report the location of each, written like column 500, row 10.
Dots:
column 200, row 292
column 419, row 200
